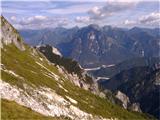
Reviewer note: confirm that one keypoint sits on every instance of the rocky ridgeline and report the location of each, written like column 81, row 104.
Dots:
column 93, row 46
column 74, row 71
column 125, row 102
column 10, row 35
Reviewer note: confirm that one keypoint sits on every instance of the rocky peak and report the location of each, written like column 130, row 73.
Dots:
column 10, row 35
column 53, row 49
column 123, row 98
column 135, row 107
column 126, row 102
column 107, row 27
column 56, row 51
column 94, row 26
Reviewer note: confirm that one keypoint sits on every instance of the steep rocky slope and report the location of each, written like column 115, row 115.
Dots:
column 12, row 110
column 69, row 65
column 30, row 80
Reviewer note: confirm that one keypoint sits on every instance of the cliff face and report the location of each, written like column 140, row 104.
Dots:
column 10, row 35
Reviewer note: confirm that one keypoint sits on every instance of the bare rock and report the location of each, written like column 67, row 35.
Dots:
column 10, row 35
column 123, row 98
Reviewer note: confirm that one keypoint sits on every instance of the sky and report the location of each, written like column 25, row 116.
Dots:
column 40, row 14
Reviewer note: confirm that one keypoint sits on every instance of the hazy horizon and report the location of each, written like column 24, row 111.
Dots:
column 68, row 13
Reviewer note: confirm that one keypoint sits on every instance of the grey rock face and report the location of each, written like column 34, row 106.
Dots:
column 135, row 107
column 123, row 98
column 10, row 35
column 126, row 102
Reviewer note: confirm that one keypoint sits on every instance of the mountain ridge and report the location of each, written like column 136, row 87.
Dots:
column 93, row 46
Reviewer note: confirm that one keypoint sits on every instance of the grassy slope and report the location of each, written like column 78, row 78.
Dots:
column 14, row 111
column 22, row 63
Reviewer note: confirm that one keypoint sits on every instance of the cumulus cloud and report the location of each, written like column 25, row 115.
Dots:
column 33, row 20
column 83, row 19
column 106, row 11
column 152, row 18
column 39, row 22
column 109, row 9
column 129, row 22
column 96, row 12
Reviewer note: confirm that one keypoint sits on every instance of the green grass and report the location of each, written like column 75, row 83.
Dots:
column 13, row 111
column 10, row 110
column 23, row 63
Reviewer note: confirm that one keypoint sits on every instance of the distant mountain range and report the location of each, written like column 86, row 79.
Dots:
column 94, row 46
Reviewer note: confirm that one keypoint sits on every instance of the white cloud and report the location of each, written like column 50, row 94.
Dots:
column 83, row 19
column 95, row 10
column 152, row 18
column 97, row 13
column 33, row 20
column 39, row 22
column 110, row 12
column 109, row 9
column 40, row 17
column 129, row 22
